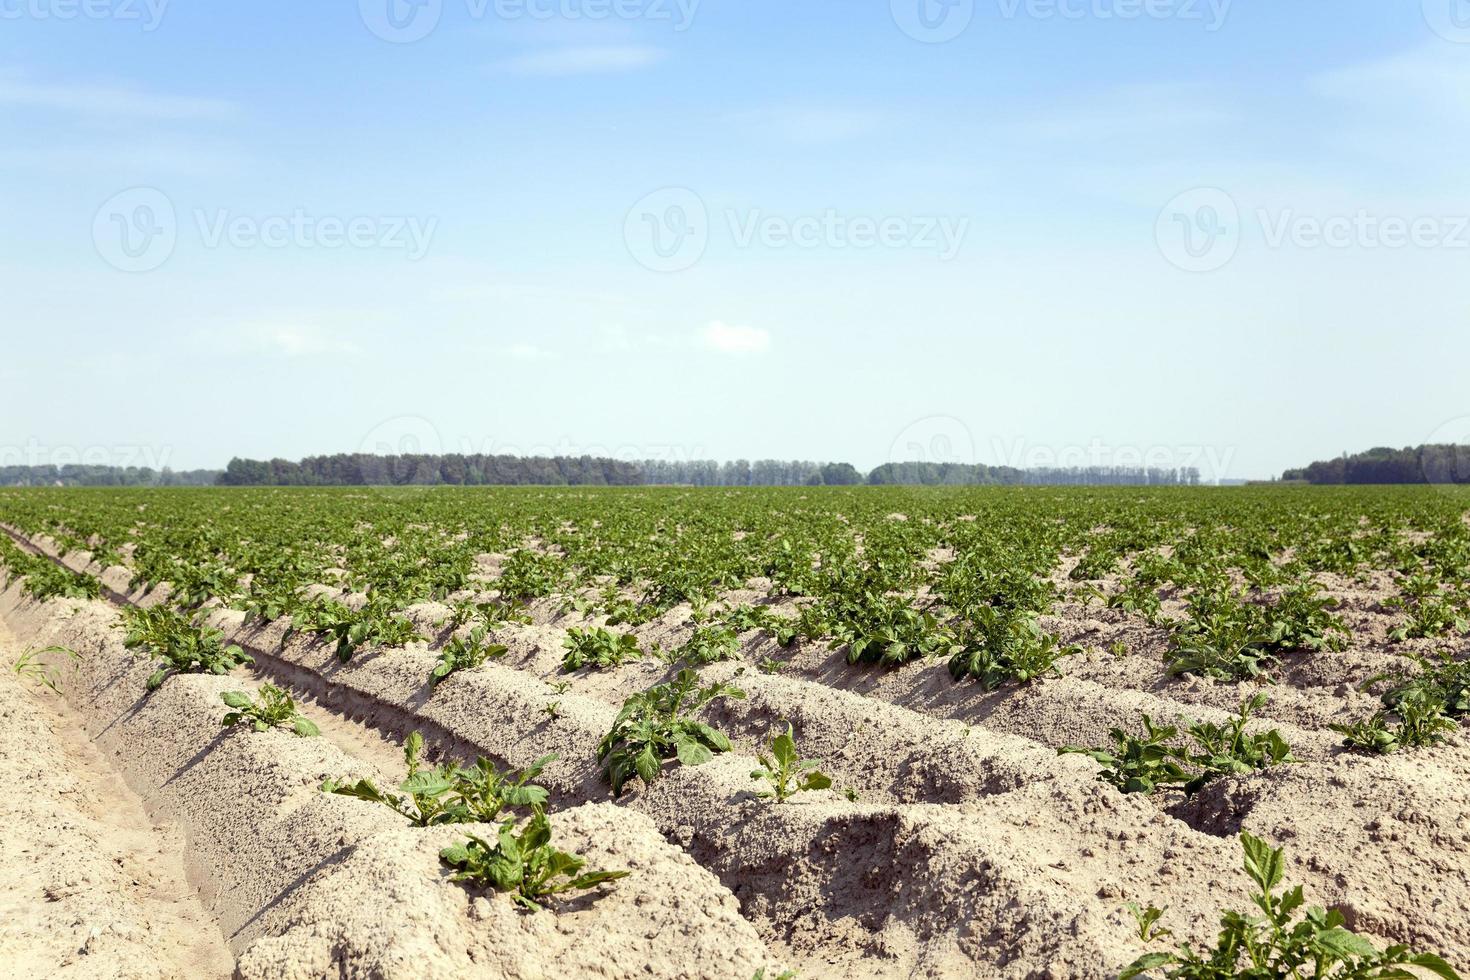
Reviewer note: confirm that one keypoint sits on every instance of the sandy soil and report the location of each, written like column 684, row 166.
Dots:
column 971, row 848
column 92, row 887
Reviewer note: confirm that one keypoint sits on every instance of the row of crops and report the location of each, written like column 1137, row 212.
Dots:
column 1242, row 583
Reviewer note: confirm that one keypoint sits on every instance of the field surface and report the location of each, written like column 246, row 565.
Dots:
column 1282, row 664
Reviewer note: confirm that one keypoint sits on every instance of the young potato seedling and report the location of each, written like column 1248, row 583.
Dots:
column 1278, row 944
column 599, row 648
column 182, row 647
column 450, row 794
column 1147, row 921
column 654, row 725
column 786, row 773
column 525, row 865
column 275, row 709
column 466, row 653
column 1138, row 765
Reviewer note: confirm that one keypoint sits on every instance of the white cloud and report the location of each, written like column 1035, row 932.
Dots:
column 103, row 100
column 1429, row 81
column 583, row 60
column 529, row 352
column 1125, row 112
column 729, row 339
column 279, row 339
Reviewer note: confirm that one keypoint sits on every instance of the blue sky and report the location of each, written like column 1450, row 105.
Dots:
column 1226, row 234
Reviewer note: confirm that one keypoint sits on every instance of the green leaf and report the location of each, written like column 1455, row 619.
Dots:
column 1148, row 961
column 1343, row 944
column 692, row 753
column 1264, row 864
column 1434, row 964
column 646, row 763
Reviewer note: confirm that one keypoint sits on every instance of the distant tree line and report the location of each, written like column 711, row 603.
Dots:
column 359, row 469
column 104, row 476
column 744, row 473
column 362, row 469
column 1414, row 464
column 960, row 474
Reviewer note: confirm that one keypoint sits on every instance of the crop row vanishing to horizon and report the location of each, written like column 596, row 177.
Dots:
column 676, row 605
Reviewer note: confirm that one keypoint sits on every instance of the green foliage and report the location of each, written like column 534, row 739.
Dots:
column 1277, row 943
column 1148, row 763
column 466, row 653
column 1224, row 638
column 887, row 631
column 1433, row 608
column 1002, row 645
column 275, row 709
column 1147, row 921
column 527, row 574
column 786, row 773
column 1422, row 720
column 1302, row 619
column 710, row 643
column 375, row 625
column 656, row 724
column 451, row 794
column 1138, row 765
column 524, row 865
column 599, row 648
column 29, row 666
column 182, row 647
column 45, row 579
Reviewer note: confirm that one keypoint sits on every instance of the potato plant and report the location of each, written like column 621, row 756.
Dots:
column 274, row 709
column 524, row 865
column 1282, row 939
column 451, row 794
column 656, row 725
column 466, row 653
column 1155, row 760
column 178, row 644
column 785, row 772
column 598, row 648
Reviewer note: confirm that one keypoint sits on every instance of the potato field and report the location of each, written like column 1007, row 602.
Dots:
column 738, row 733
